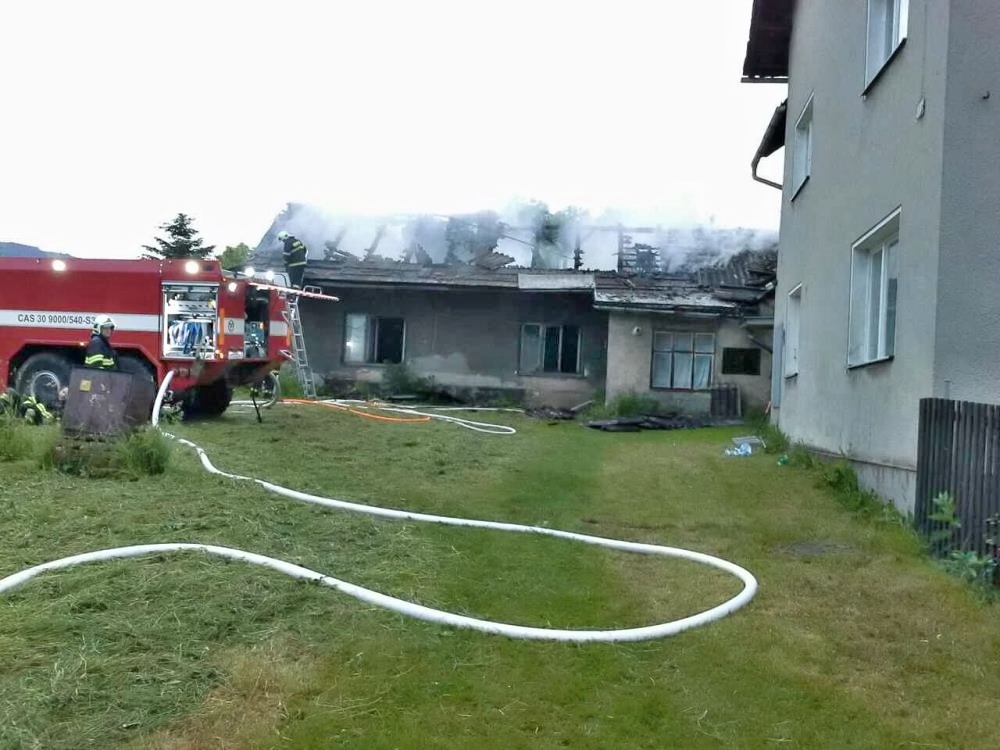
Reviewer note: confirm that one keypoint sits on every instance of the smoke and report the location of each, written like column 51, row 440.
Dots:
column 527, row 231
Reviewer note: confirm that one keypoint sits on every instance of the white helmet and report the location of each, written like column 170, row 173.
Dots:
column 103, row 321
column 282, row 235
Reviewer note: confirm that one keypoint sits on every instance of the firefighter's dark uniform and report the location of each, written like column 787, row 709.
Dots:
column 294, row 254
column 99, row 354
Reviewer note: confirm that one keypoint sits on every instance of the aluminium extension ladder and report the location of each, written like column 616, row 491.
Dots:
column 298, row 356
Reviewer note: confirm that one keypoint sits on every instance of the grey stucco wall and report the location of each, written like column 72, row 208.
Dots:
column 630, row 352
column 871, row 154
column 967, row 340
column 467, row 339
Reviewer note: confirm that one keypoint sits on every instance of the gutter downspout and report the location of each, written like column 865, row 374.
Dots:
column 774, row 138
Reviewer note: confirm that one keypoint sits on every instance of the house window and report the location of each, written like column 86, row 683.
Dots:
column 372, row 340
column 793, row 313
column 874, row 279
column 740, row 361
column 682, row 360
column 802, row 148
column 887, row 20
column 549, row 349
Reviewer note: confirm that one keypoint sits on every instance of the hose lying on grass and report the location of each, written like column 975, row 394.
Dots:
column 409, row 608
column 415, row 415
column 369, row 410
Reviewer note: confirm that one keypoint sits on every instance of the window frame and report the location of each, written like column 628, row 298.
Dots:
column 884, row 36
column 802, row 143
column 743, row 352
column 540, row 358
column 870, row 314
column 371, row 328
column 792, row 332
column 673, row 351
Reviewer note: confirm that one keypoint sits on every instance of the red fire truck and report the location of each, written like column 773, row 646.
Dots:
column 216, row 329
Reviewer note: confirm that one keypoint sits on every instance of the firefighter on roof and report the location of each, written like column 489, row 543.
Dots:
column 294, row 254
column 99, row 353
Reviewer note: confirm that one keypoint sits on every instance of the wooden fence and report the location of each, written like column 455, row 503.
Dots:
column 959, row 452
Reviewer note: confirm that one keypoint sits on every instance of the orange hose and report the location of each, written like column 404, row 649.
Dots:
column 352, row 410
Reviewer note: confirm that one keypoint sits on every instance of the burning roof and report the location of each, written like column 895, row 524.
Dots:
column 484, row 241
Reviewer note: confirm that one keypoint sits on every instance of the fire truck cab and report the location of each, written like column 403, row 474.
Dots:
column 215, row 329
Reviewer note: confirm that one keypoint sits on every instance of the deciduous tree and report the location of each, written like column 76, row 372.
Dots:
column 235, row 257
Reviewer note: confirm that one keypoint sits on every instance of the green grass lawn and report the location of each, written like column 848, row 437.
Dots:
column 854, row 640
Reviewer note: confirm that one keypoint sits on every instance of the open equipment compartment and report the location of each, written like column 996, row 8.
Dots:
column 190, row 320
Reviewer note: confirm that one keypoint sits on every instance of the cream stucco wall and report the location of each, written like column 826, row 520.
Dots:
column 630, row 351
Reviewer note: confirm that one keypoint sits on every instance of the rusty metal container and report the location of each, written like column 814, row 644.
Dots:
column 106, row 403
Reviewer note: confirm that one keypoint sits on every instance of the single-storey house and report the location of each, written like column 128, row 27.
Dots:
column 548, row 337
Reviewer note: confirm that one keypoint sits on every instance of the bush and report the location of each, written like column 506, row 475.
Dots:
column 145, row 452
column 841, row 478
column 801, row 457
column 631, row 404
column 981, row 570
column 399, row 379
column 289, row 380
column 775, row 440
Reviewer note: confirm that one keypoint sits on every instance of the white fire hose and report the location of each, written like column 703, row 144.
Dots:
column 409, row 608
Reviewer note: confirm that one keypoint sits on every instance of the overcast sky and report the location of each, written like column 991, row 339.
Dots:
column 117, row 115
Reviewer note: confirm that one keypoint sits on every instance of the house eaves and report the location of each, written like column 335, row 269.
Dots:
column 405, row 275
column 401, row 274
column 740, row 294
column 770, row 37
column 678, row 302
column 555, row 282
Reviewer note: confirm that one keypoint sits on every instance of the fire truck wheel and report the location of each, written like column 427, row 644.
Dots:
column 136, row 366
column 43, row 375
column 209, row 400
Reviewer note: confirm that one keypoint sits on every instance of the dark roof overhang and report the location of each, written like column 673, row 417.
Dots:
column 766, row 58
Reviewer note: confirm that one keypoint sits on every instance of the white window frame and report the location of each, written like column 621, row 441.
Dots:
column 531, row 357
column 887, row 24
column 669, row 347
column 802, row 148
column 793, row 325
column 362, row 350
column 874, row 293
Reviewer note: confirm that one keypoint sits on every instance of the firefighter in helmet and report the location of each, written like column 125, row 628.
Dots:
column 294, row 253
column 99, row 353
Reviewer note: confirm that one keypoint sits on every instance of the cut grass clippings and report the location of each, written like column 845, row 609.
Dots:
column 854, row 640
